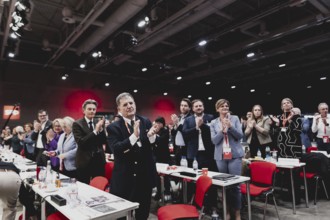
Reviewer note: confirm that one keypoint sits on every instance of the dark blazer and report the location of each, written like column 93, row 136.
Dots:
column 161, row 150
column 43, row 132
column 88, row 143
column 134, row 165
column 190, row 135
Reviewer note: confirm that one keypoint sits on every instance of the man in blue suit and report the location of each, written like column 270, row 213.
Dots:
column 131, row 139
column 197, row 137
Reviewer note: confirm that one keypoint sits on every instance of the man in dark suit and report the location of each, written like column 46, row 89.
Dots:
column 90, row 137
column 180, row 148
column 39, row 136
column 131, row 139
column 197, row 136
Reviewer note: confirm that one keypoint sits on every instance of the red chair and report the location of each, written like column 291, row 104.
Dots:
column 310, row 149
column 100, row 182
column 315, row 176
column 108, row 170
column 262, row 182
column 177, row 211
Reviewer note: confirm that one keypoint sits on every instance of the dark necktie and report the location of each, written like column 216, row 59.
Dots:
column 131, row 127
column 91, row 126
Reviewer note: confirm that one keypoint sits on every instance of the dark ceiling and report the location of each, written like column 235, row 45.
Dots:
column 294, row 32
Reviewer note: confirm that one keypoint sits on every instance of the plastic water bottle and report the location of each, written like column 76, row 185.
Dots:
column 49, row 174
column 268, row 156
column 215, row 216
column 259, row 154
column 184, row 162
column 274, row 156
column 72, row 192
column 303, row 149
column 195, row 165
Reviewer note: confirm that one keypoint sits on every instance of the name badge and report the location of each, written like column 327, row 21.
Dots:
column 227, row 155
column 326, row 139
column 283, row 129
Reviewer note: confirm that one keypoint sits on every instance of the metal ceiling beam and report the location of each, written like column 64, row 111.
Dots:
column 115, row 21
column 281, row 50
column 93, row 14
column 293, row 28
column 317, row 4
column 205, row 10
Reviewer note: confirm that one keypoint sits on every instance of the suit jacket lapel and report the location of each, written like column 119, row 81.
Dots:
column 68, row 138
column 85, row 126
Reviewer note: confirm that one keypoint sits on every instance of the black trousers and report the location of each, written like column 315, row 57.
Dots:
column 95, row 168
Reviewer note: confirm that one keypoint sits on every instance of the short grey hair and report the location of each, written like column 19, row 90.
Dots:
column 121, row 96
column 68, row 121
column 89, row 101
column 322, row 103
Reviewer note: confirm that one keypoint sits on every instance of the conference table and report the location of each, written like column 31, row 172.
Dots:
column 165, row 169
column 93, row 203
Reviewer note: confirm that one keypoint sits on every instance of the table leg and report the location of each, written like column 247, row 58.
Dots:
column 162, row 188
column 248, row 199
column 293, row 196
column 224, row 205
column 306, row 189
column 43, row 209
column 184, row 191
column 129, row 215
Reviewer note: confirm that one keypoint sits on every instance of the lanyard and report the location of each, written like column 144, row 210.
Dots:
column 226, row 138
column 324, row 120
column 127, row 126
column 285, row 119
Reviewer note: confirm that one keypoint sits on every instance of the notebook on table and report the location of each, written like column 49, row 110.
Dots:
column 223, row 176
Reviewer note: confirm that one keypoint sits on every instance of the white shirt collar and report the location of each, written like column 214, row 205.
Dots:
column 127, row 120
column 87, row 120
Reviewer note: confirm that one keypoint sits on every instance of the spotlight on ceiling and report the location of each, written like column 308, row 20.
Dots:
column 11, row 54
column 144, row 69
column 82, row 66
column 23, row 5
column 107, row 84
column 249, row 55
column 135, row 90
column 209, row 98
column 208, row 83
column 233, row 87
column 134, row 40
column 165, row 93
column 202, row 43
column 323, row 78
column 144, row 22
column 97, row 54
column 179, row 77
column 252, row 90
column 189, row 96
column 309, row 87
column 282, row 65
column 65, row 76
column 13, row 35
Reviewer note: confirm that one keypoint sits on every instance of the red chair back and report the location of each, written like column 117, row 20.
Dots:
column 262, row 172
column 100, row 182
column 202, row 186
column 311, row 148
column 108, row 170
